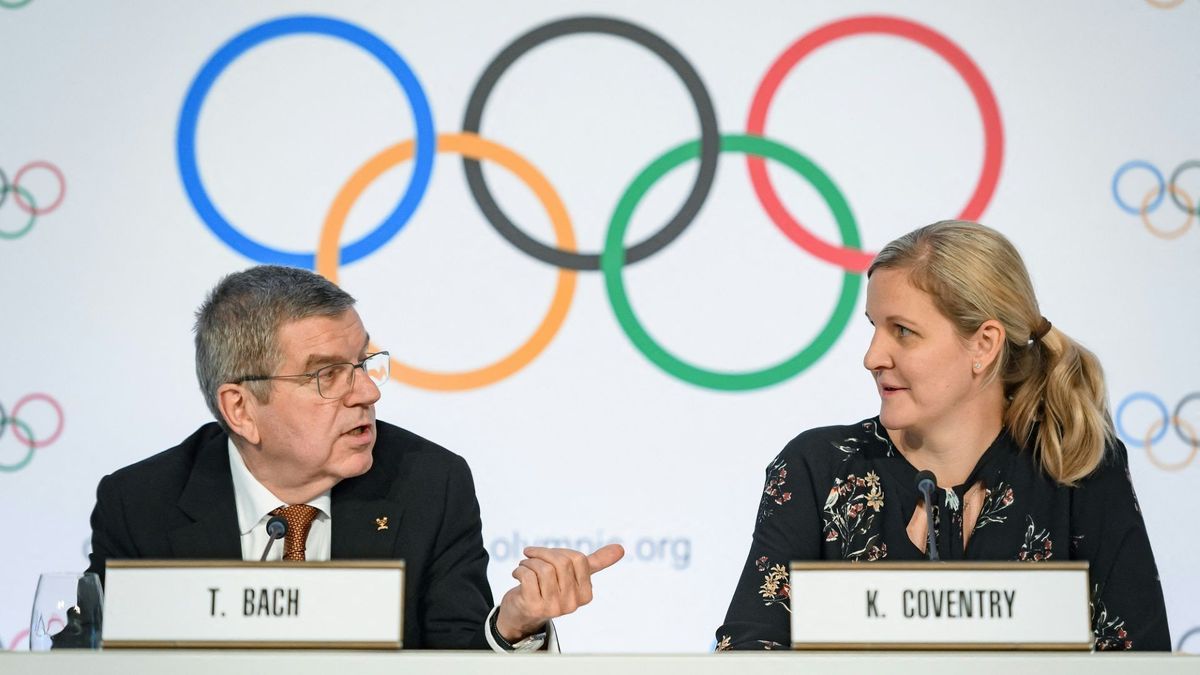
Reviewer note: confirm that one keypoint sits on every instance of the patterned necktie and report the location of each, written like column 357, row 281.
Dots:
column 299, row 518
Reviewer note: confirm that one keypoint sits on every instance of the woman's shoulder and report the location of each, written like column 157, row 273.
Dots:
column 838, row 443
column 1112, row 472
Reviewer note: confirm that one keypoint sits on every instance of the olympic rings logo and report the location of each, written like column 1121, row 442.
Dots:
column 1183, row 645
column 330, row 254
column 1157, row 429
column 1154, row 197
column 23, row 432
column 21, row 639
column 24, row 200
column 18, row 640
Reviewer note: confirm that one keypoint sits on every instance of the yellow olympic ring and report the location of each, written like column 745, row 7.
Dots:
column 1171, row 234
column 328, row 258
column 1177, row 466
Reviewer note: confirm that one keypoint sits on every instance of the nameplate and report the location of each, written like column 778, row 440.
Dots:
column 950, row 605
column 279, row 605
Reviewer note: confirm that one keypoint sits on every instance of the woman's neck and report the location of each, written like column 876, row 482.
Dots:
column 952, row 449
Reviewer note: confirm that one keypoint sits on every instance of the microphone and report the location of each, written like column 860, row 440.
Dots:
column 926, row 483
column 276, row 529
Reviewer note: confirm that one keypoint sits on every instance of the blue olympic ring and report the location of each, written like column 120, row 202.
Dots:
column 426, row 139
column 1162, row 409
column 1139, row 164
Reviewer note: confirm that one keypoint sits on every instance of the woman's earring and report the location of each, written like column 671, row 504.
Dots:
column 977, row 365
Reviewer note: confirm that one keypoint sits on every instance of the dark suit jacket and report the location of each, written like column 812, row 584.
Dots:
column 180, row 504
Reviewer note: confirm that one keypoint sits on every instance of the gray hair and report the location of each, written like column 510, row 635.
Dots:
column 237, row 326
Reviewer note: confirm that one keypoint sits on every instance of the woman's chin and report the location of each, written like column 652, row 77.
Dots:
column 893, row 420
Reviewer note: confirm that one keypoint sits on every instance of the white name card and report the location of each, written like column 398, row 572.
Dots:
column 212, row 604
column 951, row 605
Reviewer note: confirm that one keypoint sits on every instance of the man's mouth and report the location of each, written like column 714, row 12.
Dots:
column 359, row 430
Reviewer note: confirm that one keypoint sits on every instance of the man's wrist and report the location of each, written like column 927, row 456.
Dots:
column 516, row 641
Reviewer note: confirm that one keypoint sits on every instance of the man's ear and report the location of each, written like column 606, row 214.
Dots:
column 239, row 407
column 986, row 344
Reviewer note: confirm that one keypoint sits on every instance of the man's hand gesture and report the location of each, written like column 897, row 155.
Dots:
column 553, row 582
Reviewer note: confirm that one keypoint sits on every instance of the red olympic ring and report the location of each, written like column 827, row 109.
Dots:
column 12, row 646
column 34, row 210
column 57, row 432
column 849, row 259
column 16, row 641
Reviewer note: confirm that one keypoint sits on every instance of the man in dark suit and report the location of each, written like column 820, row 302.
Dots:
column 278, row 355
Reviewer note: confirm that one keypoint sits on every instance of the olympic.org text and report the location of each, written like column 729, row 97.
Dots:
column 675, row 551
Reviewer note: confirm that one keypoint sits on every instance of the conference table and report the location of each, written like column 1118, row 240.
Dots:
column 301, row 662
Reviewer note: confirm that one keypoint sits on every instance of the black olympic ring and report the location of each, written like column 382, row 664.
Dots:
column 1178, row 409
column 710, row 139
column 1190, row 164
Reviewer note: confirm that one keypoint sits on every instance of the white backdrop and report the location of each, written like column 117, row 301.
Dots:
column 590, row 441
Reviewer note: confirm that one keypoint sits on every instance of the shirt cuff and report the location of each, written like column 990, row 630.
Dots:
column 548, row 642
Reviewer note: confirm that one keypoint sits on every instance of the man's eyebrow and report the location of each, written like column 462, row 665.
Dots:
column 317, row 360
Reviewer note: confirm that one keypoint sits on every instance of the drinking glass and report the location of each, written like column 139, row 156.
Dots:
column 67, row 612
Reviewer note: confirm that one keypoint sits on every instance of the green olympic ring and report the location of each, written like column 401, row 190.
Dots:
column 612, row 262
column 32, row 213
column 10, row 4
column 13, row 468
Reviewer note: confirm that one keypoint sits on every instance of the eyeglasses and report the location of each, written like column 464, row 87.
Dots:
column 336, row 380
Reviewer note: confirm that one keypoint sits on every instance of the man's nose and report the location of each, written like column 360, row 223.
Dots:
column 364, row 391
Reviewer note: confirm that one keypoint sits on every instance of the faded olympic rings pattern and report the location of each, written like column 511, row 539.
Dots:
column 615, row 255
column 19, row 640
column 1183, row 641
column 1154, row 198
column 23, row 199
column 1158, row 428
column 22, row 432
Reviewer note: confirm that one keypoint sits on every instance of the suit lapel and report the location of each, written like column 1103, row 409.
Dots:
column 365, row 520
column 208, row 501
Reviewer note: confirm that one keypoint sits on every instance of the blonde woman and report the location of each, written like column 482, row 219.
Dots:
column 1003, row 408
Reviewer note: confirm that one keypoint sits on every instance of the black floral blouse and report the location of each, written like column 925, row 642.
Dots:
column 846, row 493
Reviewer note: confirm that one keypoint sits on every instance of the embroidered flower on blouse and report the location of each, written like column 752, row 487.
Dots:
column 994, row 502
column 1037, row 546
column 849, row 515
column 776, row 588
column 773, row 493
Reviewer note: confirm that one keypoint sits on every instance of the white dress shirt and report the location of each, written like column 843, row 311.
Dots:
column 254, row 506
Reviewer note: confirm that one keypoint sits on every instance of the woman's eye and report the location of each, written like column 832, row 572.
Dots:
column 902, row 331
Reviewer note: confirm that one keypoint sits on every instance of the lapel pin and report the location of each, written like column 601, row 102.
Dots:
column 381, row 524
